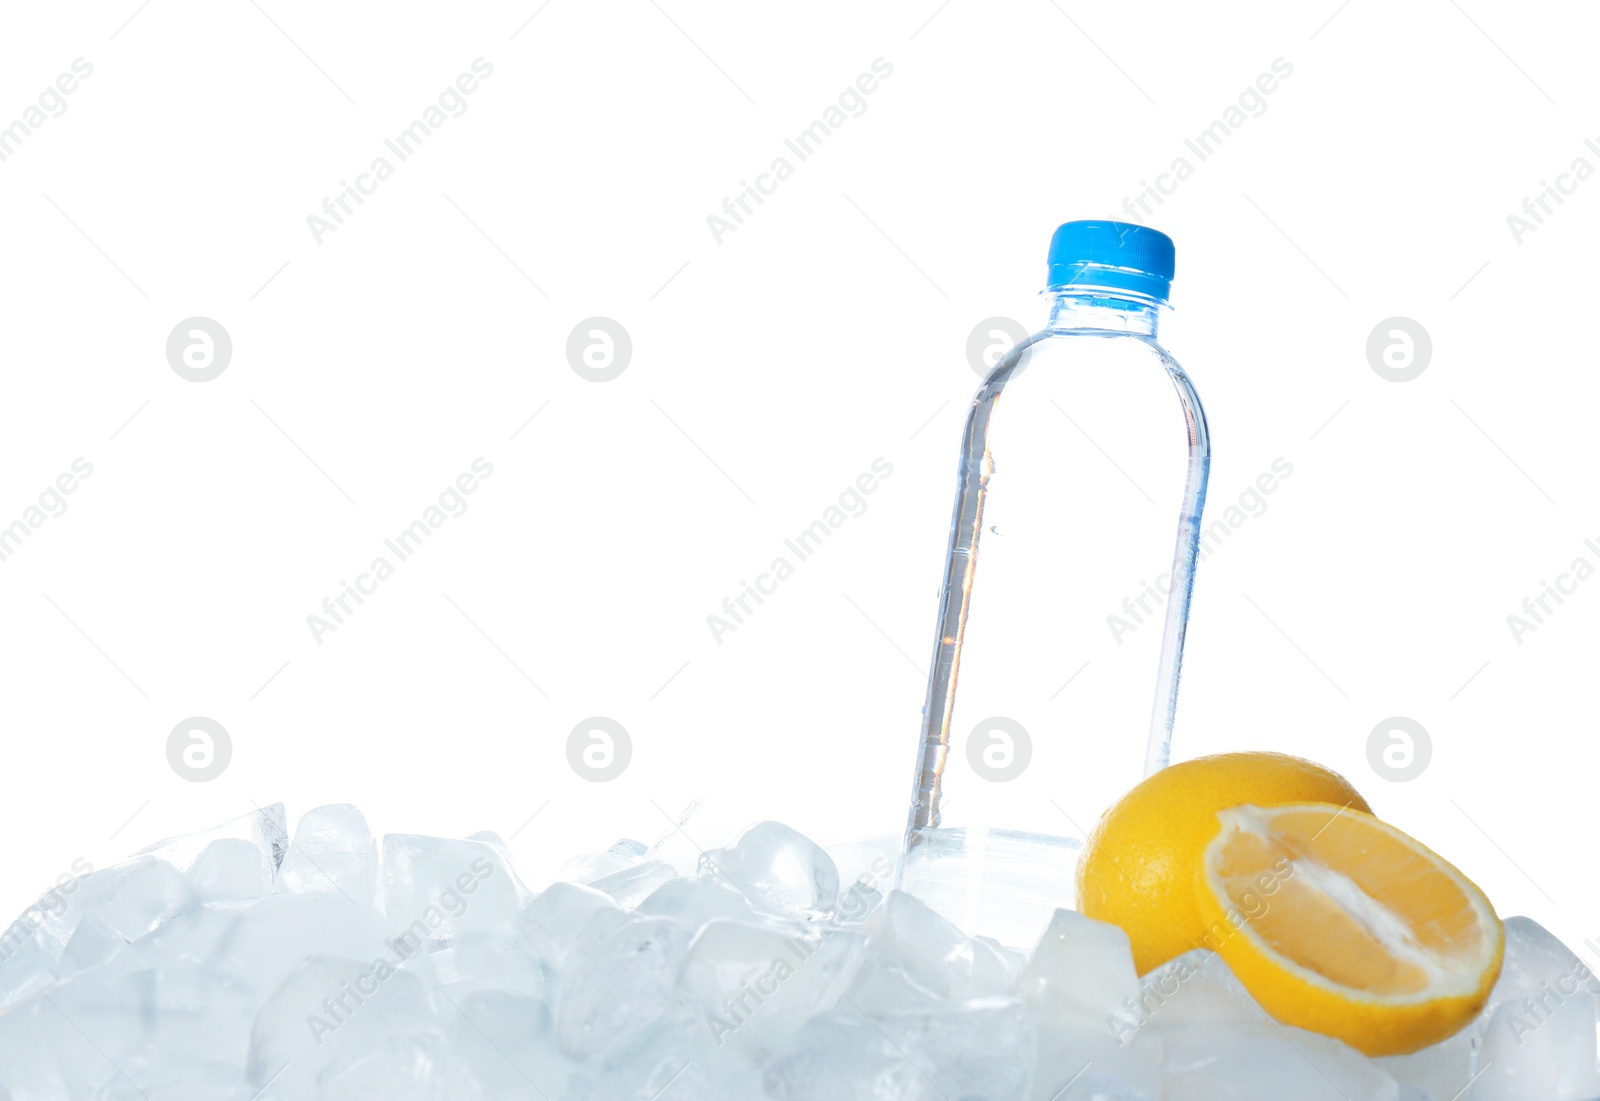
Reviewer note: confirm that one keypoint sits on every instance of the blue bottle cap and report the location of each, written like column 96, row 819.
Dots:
column 1118, row 257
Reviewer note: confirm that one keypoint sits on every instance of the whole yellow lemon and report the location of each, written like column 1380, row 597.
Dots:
column 1139, row 865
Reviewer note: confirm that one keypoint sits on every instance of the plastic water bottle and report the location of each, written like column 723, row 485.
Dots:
column 1063, row 600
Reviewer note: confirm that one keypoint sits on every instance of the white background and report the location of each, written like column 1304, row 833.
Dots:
column 768, row 371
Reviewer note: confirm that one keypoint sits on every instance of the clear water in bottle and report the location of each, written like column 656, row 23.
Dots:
column 1064, row 600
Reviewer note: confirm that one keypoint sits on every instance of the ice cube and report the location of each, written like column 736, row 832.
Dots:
column 617, row 989
column 842, row 1056
column 25, row 967
column 563, row 915
column 936, row 955
column 780, row 871
column 104, row 1007
column 205, row 1081
column 266, row 828
column 693, row 903
column 194, row 938
column 401, row 1068
column 1541, row 1047
column 753, row 986
column 1096, row 1086
column 332, row 851
column 506, row 1041
column 977, row 1049
column 148, row 1022
column 264, row 943
column 1074, row 1057
column 858, row 902
column 717, row 1084
column 333, row 1012
column 865, row 873
column 1441, row 1070
column 727, row 955
column 703, row 826
column 1194, row 988
column 42, row 1057
column 499, row 962
column 632, row 885
column 1093, row 1013
column 1232, row 1061
column 435, row 889
column 677, row 1060
column 1081, row 973
column 92, row 944
column 495, row 842
column 230, row 870
column 883, row 985
column 592, row 866
column 871, row 863
column 1014, row 959
column 193, row 1016
column 916, row 956
column 130, row 899
column 1536, row 963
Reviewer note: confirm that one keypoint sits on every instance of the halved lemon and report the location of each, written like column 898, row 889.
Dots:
column 1342, row 924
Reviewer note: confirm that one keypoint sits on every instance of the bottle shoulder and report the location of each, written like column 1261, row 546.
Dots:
column 1082, row 370
column 1093, row 342
column 1052, row 358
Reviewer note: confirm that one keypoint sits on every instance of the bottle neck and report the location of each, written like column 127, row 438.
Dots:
column 1077, row 311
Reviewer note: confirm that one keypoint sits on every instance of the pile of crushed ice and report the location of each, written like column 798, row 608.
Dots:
column 238, row 966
